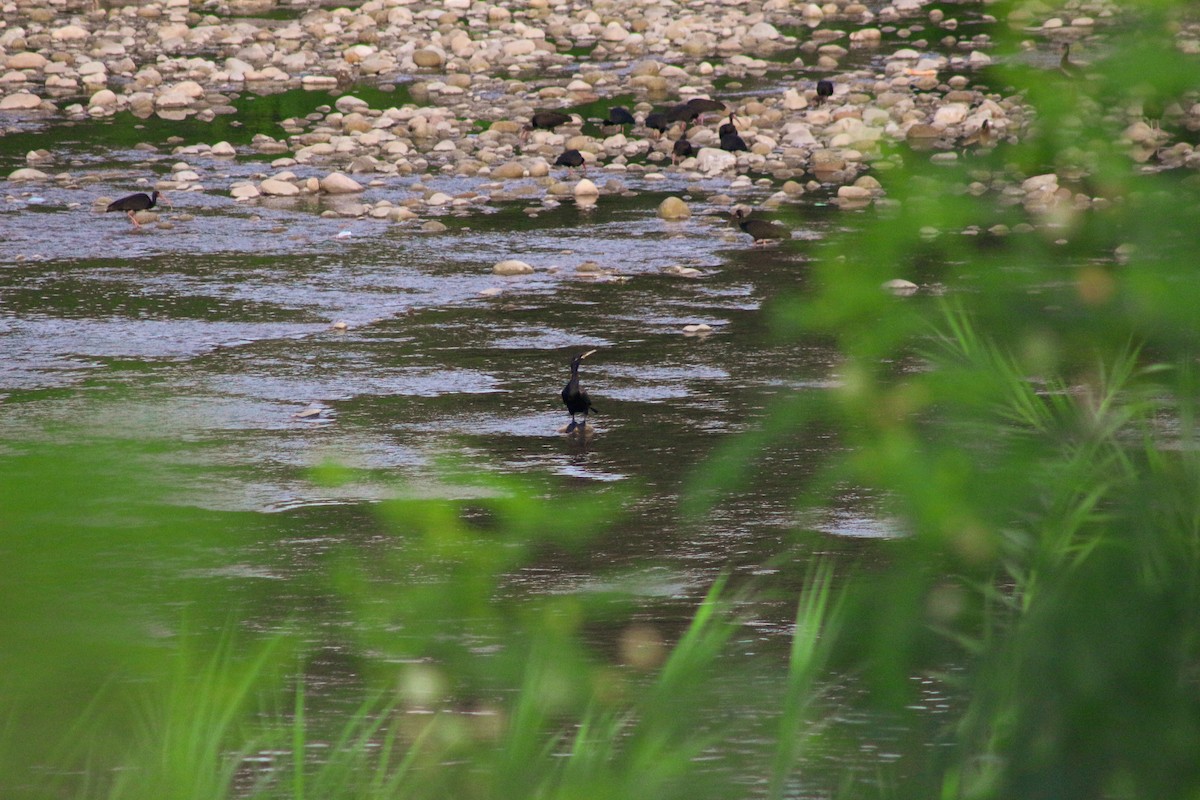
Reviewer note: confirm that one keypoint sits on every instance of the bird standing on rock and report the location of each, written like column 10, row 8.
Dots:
column 137, row 202
column 574, row 396
column 760, row 230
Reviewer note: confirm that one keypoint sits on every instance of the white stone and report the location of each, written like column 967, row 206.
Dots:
column 794, row 101
column 20, row 101
column 586, row 188
column 105, row 98
column 1041, row 183
column 337, row 183
column 512, row 267
column 950, row 114
column 613, row 32
column 27, row 174
column 278, row 188
column 712, row 160
column 69, row 33
column 26, row 60
column 900, row 287
column 763, row 31
column 172, row 99
column 519, row 47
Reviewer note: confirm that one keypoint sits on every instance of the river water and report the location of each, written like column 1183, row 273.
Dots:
column 219, row 334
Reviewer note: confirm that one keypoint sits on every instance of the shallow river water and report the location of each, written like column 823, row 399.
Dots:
column 219, row 334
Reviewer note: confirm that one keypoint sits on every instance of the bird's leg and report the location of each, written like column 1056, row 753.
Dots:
column 136, row 224
column 572, row 425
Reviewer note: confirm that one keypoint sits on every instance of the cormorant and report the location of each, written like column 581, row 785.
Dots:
column 1065, row 65
column 574, row 396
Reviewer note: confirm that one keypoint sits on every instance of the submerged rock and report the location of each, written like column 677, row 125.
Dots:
column 672, row 208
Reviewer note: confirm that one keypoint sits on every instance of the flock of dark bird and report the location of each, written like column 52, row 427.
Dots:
column 659, row 123
column 574, row 396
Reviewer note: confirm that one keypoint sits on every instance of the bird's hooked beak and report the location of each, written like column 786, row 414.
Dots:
column 164, row 198
column 585, row 355
column 733, row 119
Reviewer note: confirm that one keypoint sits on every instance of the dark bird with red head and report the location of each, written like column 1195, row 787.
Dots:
column 137, row 202
column 575, row 397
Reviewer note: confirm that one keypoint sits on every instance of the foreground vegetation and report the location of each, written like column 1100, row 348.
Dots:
column 1031, row 431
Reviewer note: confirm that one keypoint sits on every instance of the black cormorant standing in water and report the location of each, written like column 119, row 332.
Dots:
column 574, row 396
column 137, row 202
